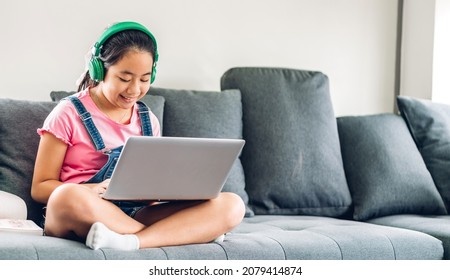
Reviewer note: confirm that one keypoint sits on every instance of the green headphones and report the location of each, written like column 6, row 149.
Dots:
column 96, row 68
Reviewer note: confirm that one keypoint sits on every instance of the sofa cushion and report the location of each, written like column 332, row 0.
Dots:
column 436, row 226
column 385, row 172
column 18, row 145
column 208, row 114
column 292, row 159
column 260, row 237
column 155, row 103
column 429, row 124
column 320, row 238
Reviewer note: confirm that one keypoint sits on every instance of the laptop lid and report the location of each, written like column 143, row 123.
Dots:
column 172, row 168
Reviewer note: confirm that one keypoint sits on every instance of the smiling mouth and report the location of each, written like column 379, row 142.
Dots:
column 128, row 99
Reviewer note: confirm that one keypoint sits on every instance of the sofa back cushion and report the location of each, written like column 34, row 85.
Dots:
column 19, row 141
column 292, row 160
column 385, row 172
column 429, row 124
column 207, row 114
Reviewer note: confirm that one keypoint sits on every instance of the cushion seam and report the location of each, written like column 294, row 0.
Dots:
column 165, row 253
column 225, row 251
column 282, row 248
column 337, row 244
column 392, row 245
column 104, row 255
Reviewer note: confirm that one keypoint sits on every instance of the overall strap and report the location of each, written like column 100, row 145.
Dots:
column 86, row 118
column 144, row 115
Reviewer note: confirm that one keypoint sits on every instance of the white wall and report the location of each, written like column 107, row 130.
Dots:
column 43, row 43
column 417, row 48
column 425, row 66
column 441, row 54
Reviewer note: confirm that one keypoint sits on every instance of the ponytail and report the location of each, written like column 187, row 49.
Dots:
column 86, row 81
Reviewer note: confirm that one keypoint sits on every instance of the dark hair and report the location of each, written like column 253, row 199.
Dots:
column 116, row 47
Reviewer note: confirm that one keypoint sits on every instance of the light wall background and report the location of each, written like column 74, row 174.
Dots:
column 44, row 42
column 425, row 58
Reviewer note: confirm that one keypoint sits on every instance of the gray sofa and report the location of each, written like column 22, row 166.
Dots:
column 315, row 186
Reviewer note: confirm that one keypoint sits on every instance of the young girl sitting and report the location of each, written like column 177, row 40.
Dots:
column 83, row 135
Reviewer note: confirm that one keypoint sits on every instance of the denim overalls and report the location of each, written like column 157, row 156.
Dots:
column 105, row 172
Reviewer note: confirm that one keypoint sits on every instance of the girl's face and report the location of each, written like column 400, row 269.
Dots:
column 128, row 80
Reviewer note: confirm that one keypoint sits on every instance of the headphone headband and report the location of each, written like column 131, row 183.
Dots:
column 96, row 68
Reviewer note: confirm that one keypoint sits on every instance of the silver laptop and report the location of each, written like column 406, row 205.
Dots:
column 172, row 168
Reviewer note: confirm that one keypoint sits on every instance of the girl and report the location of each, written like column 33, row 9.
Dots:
column 84, row 133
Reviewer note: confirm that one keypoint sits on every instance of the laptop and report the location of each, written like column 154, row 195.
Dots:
column 172, row 168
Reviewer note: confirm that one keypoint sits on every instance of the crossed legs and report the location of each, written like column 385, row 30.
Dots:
column 75, row 211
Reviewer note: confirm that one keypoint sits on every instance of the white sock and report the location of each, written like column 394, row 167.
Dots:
column 100, row 236
column 219, row 239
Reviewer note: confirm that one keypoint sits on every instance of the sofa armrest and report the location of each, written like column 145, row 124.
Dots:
column 12, row 206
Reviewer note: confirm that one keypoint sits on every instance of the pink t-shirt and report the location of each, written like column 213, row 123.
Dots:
column 82, row 161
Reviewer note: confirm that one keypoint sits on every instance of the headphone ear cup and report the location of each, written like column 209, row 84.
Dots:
column 96, row 69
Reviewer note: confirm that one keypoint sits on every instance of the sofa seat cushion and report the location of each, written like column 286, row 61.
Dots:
column 437, row 226
column 32, row 247
column 257, row 238
column 235, row 246
column 385, row 171
column 311, row 237
column 292, row 160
